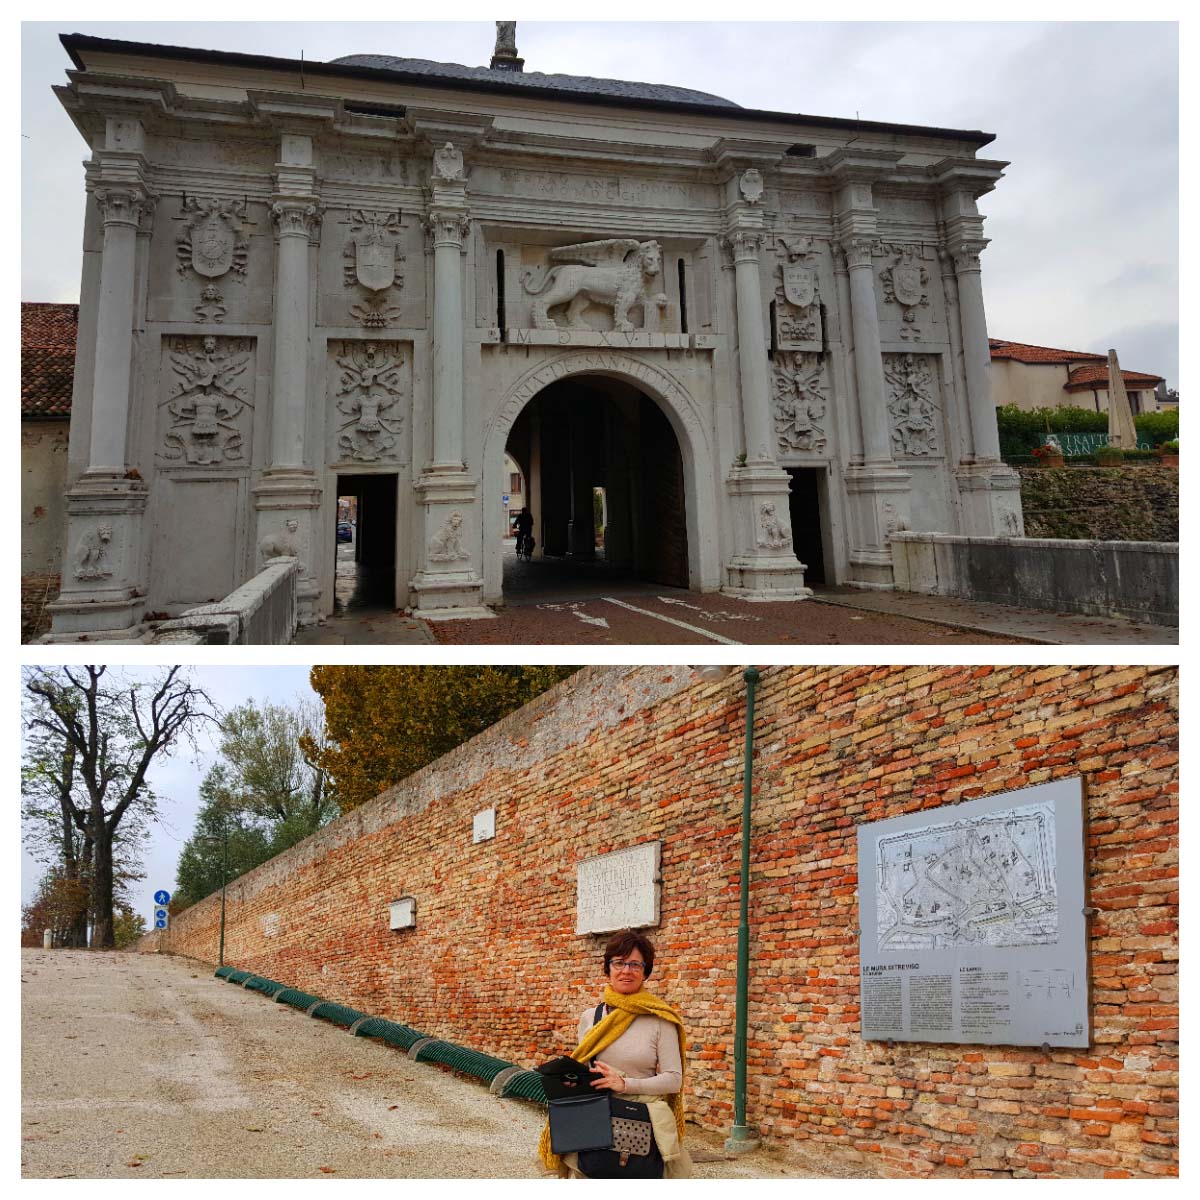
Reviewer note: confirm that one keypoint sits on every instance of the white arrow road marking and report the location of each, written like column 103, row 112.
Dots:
column 574, row 609
column 722, row 615
column 645, row 612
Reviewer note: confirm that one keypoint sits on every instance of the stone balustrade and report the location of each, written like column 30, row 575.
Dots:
column 262, row 612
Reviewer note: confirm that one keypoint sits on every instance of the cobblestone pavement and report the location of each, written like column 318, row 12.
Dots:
column 146, row 1066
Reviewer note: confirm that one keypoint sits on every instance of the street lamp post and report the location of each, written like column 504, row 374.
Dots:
column 224, row 839
column 742, row 1137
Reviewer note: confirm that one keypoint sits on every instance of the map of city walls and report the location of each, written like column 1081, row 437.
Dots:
column 987, row 880
column 972, row 922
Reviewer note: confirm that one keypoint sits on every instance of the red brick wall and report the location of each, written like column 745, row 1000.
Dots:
column 618, row 756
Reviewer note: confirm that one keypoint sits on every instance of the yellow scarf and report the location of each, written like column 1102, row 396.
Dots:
column 604, row 1033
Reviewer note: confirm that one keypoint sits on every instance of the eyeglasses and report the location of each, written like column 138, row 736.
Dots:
column 620, row 964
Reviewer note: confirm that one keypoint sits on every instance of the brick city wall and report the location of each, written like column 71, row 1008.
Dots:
column 617, row 756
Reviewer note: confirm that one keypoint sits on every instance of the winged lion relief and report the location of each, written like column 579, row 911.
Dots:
column 616, row 273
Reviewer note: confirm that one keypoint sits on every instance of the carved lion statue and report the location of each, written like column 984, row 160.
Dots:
column 615, row 273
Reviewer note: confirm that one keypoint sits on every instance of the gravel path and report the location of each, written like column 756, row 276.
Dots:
column 140, row 1065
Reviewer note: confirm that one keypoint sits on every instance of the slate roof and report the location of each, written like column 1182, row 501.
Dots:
column 1086, row 378
column 48, row 333
column 584, row 84
column 1025, row 353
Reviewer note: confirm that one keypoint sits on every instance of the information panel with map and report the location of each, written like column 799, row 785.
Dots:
column 972, row 922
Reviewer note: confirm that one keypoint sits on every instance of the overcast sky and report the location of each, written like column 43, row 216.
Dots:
column 1084, row 226
column 176, row 780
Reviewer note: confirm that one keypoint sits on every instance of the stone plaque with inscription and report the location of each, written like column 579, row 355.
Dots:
column 972, row 922
column 618, row 890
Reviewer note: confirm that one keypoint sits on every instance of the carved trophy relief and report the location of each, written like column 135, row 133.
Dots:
column 618, row 273
column 446, row 544
column 798, row 295
column 369, row 396
column 374, row 263
column 800, row 403
column 904, row 284
column 912, row 403
column 91, row 553
column 773, row 533
column 214, row 243
column 207, row 399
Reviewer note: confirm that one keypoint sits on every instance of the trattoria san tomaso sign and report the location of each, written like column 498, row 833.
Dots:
column 972, row 924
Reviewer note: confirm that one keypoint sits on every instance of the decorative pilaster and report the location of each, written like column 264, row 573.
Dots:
column 288, row 495
column 764, row 566
column 103, row 588
column 448, row 582
column 990, row 491
column 878, row 489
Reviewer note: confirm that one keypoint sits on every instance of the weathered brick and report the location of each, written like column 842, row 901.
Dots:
column 619, row 756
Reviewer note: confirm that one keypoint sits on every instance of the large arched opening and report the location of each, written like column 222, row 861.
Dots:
column 611, row 459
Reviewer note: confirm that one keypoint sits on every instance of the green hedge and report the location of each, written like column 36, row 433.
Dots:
column 1021, row 429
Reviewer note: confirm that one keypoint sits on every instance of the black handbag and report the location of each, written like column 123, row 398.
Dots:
column 580, row 1123
column 632, row 1152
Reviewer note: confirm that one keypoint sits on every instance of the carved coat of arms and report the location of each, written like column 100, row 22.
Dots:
column 799, row 284
column 214, row 240
column 906, row 282
column 373, row 259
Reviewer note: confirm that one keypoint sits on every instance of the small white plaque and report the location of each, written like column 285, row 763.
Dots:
column 618, row 890
column 403, row 913
column 485, row 825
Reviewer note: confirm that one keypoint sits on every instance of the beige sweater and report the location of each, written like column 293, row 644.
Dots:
column 647, row 1054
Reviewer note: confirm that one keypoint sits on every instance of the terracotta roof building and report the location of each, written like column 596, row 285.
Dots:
column 48, row 333
column 1044, row 377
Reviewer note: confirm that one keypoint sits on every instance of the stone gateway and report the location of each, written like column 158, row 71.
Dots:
column 761, row 334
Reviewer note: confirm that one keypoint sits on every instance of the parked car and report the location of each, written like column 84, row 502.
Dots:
column 345, row 531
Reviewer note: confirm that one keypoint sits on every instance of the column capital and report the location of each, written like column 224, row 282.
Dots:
column 447, row 226
column 296, row 216
column 124, row 204
column 856, row 251
column 965, row 253
column 744, row 244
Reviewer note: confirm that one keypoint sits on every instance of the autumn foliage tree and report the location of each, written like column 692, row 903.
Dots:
column 384, row 723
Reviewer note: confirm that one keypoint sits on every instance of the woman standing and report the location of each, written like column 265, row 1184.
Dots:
column 638, row 1044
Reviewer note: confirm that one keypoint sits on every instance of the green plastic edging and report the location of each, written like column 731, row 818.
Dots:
column 223, row 972
column 527, row 1085
column 460, row 1058
column 390, row 1032
column 337, row 1014
column 296, row 998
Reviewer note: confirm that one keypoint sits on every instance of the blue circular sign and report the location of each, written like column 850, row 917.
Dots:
column 161, row 897
column 160, row 914
column 160, row 923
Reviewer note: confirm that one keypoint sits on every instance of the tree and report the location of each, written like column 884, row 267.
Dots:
column 57, row 905
column 264, row 796
column 201, row 862
column 128, row 927
column 384, row 723
column 111, row 731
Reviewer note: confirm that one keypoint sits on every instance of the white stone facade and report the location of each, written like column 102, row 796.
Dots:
column 735, row 322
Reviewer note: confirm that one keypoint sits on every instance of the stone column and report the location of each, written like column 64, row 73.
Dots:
column 977, row 358
column 745, row 245
column 868, row 356
column 295, row 223
column 448, row 228
column 990, row 491
column 288, row 495
column 121, row 210
column 877, row 489
column 448, row 582
column 764, row 565
column 103, row 586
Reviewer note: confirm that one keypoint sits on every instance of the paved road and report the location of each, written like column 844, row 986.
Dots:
column 146, row 1066
column 659, row 616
